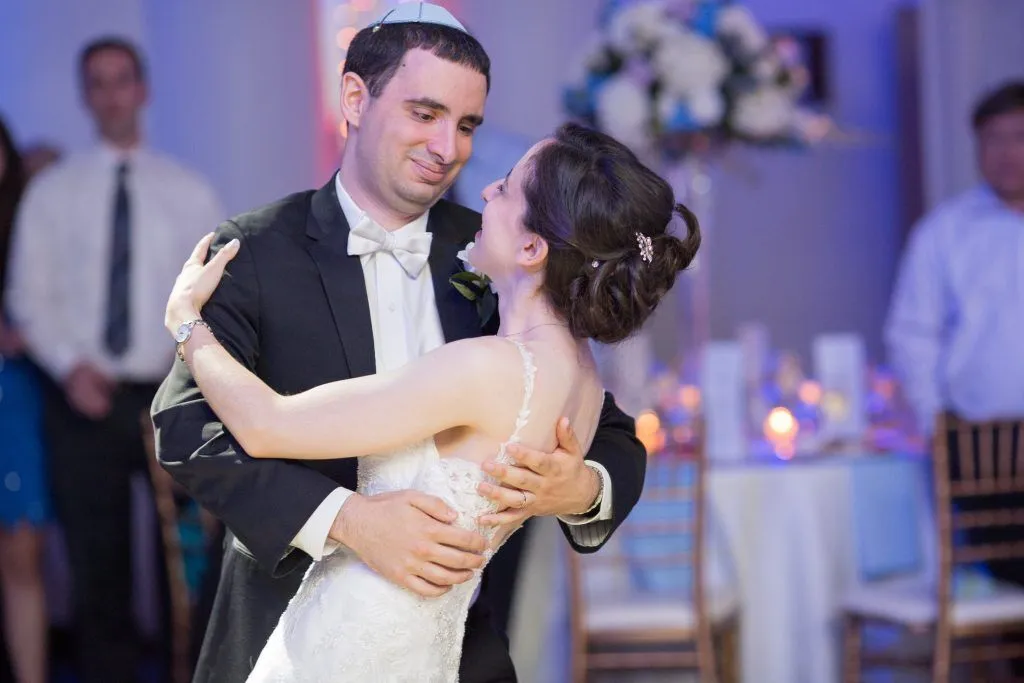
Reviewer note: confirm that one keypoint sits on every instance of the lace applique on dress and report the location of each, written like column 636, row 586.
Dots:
column 346, row 624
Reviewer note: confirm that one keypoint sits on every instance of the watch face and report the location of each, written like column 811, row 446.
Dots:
column 182, row 334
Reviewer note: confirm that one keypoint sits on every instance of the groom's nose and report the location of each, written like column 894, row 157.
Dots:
column 444, row 144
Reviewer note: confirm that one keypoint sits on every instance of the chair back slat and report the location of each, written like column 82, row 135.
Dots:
column 1006, row 469
column 980, row 456
column 989, row 518
column 989, row 552
column 986, row 459
column 965, row 452
column 1018, row 461
column 976, row 464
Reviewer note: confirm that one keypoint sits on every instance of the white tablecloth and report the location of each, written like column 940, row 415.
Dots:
column 792, row 534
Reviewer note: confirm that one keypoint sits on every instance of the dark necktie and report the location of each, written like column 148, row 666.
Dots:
column 118, row 313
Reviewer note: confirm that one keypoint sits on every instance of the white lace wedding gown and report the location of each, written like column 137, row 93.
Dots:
column 348, row 624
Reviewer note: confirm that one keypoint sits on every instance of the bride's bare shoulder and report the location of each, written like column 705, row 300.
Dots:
column 493, row 357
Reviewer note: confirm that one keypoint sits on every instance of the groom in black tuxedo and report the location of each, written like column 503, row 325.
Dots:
column 312, row 298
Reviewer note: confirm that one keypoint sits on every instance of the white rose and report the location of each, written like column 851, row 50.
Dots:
column 737, row 21
column 463, row 256
column 765, row 112
column 634, row 27
column 624, row 111
column 707, row 107
column 649, row 22
column 688, row 63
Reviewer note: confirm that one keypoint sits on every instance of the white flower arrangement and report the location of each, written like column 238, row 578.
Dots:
column 664, row 71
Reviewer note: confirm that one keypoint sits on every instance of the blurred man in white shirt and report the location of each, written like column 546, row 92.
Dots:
column 100, row 238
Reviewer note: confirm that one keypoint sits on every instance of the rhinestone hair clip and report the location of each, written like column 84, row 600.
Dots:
column 646, row 247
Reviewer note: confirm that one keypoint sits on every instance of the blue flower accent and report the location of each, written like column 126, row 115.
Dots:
column 704, row 18
column 610, row 9
column 578, row 102
column 595, row 82
column 581, row 101
column 681, row 120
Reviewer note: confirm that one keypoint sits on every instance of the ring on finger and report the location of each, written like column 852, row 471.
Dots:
column 525, row 500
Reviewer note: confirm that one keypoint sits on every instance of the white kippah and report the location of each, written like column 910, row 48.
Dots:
column 420, row 12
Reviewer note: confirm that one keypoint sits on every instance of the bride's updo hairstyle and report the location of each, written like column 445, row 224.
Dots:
column 605, row 217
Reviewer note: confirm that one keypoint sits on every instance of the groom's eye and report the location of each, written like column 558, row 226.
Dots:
column 423, row 116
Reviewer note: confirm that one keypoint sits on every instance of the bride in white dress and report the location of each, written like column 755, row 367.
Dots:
column 575, row 240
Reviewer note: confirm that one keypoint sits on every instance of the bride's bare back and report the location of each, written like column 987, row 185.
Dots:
column 566, row 385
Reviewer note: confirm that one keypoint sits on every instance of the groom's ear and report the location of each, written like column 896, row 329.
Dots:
column 354, row 98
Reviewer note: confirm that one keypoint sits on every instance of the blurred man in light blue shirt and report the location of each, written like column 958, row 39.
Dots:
column 955, row 331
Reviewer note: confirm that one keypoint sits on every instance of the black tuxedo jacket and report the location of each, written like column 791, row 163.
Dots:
column 293, row 308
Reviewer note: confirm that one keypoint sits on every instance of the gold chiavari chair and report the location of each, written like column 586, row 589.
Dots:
column 617, row 628
column 979, row 490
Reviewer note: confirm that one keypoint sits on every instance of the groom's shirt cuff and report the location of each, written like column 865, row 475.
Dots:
column 591, row 529
column 313, row 538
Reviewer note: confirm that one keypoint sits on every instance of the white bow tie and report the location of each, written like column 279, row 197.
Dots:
column 411, row 251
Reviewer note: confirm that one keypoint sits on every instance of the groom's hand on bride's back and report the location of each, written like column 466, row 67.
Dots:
column 408, row 538
column 542, row 484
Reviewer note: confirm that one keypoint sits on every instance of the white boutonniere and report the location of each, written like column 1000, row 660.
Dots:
column 475, row 286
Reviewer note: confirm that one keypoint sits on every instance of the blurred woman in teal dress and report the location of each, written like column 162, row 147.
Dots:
column 24, row 504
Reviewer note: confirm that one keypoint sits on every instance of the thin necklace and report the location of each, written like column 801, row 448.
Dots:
column 530, row 329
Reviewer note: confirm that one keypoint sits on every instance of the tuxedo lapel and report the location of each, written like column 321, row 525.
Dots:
column 342, row 277
column 459, row 318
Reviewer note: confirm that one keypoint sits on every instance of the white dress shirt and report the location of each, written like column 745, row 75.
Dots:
column 59, row 271
column 405, row 322
column 955, row 332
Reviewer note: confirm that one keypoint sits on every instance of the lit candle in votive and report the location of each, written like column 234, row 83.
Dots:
column 780, row 425
column 648, row 425
column 809, row 392
column 689, row 397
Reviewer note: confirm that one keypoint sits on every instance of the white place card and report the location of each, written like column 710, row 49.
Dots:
column 840, row 366
column 722, row 388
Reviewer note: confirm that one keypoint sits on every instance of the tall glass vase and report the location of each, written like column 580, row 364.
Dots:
column 691, row 180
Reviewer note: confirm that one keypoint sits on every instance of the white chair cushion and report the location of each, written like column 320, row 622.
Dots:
column 656, row 611
column 914, row 601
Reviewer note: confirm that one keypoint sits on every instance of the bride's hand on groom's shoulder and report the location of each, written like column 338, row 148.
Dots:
column 196, row 282
column 541, row 484
column 408, row 538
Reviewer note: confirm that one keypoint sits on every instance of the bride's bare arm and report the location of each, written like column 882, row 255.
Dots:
column 440, row 390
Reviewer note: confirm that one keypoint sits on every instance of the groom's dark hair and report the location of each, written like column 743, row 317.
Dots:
column 376, row 52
